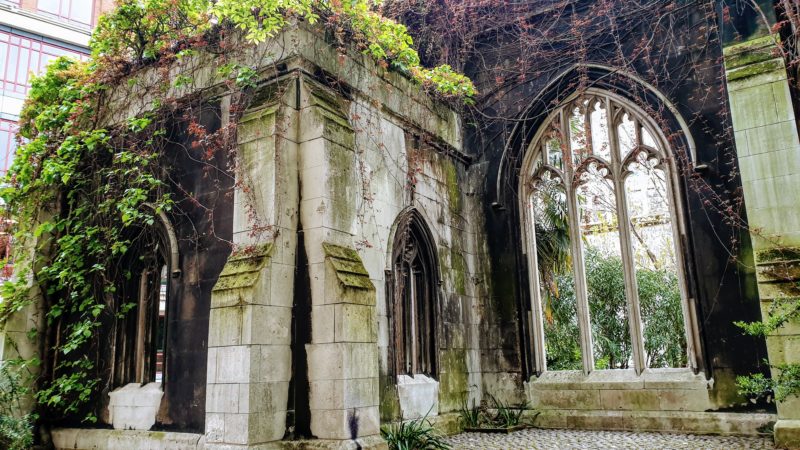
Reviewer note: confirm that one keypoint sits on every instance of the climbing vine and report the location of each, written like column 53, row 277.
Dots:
column 82, row 191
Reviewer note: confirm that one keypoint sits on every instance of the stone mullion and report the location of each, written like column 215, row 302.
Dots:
column 537, row 326
column 578, row 265
column 687, row 304
column 626, row 246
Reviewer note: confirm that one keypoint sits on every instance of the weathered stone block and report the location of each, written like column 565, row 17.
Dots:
column 558, row 399
column 268, row 325
column 355, row 323
column 323, row 324
column 345, row 424
column 134, row 406
column 339, row 361
column 684, row 379
column 211, row 366
column 419, row 396
column 233, row 364
column 222, row 398
column 281, row 284
column 268, row 398
column 344, row 394
column 684, row 400
column 225, row 326
column 635, row 400
column 215, row 427
column 787, row 434
column 236, row 428
column 271, row 363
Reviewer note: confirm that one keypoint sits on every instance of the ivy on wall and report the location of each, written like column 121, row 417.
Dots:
column 80, row 192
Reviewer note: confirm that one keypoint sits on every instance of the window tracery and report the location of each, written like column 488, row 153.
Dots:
column 602, row 241
column 414, row 298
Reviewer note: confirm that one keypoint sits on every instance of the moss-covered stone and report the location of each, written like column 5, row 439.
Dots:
column 453, row 189
column 349, row 268
column 454, row 379
column 778, row 254
column 752, row 70
column 458, row 271
column 243, row 268
column 751, row 52
column 389, row 402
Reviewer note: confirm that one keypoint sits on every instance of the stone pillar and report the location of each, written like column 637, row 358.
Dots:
column 343, row 354
column 249, row 342
column 769, row 157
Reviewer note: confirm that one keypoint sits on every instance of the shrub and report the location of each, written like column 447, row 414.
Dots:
column 16, row 433
column 506, row 416
column 786, row 382
column 417, row 434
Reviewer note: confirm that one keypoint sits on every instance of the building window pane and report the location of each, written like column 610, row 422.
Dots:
column 8, row 144
column 21, row 56
column 78, row 12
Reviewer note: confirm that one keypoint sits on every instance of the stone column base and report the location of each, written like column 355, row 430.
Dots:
column 787, row 434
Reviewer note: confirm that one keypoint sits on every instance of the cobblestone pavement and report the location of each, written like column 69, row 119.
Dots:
column 573, row 439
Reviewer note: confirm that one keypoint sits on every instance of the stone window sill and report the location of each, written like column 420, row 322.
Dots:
column 621, row 390
column 623, row 379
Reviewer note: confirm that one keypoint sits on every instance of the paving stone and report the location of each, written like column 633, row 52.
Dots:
column 541, row 439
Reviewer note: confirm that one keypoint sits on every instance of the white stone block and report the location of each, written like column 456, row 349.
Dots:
column 419, row 396
column 340, row 361
column 282, row 285
column 344, row 394
column 268, row 325
column 215, row 427
column 222, row 398
column 271, row 363
column 134, row 407
column 236, row 428
column 344, row 424
column 233, row 364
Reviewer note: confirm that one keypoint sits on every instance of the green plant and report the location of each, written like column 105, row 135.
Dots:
column 506, row 415
column 16, row 432
column 470, row 417
column 417, row 434
column 786, row 377
column 660, row 302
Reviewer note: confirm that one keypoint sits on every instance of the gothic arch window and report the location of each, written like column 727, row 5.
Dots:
column 141, row 335
column 414, row 299
column 602, row 234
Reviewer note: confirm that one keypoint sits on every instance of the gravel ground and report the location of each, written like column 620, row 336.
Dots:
column 575, row 439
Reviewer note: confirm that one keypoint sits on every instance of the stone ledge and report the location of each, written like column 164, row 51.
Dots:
column 100, row 439
column 667, row 421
